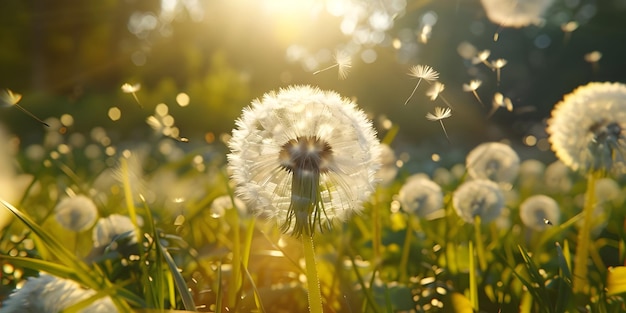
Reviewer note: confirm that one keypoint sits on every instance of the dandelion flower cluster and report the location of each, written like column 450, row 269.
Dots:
column 76, row 213
column 539, row 211
column 303, row 157
column 494, row 161
column 50, row 294
column 481, row 198
column 587, row 128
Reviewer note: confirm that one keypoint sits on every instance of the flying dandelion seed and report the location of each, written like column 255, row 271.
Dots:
column 499, row 100
column 593, row 58
column 472, row 87
column 343, row 63
column 440, row 114
column 132, row 89
column 425, row 33
column 420, row 72
column 435, row 91
column 587, row 129
column 10, row 98
column 568, row 28
column 481, row 57
column 48, row 293
column 497, row 65
column 304, row 157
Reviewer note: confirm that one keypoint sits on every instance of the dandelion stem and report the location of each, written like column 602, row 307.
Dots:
column 313, row 284
column 406, row 249
column 31, row 115
column 444, row 131
column 325, row 69
column 582, row 245
column 480, row 249
column 473, row 292
column 412, row 93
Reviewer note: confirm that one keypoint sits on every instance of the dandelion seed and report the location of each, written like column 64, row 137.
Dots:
column 497, row 65
column 420, row 72
column 425, row 33
column 494, row 161
column 568, row 28
column 472, row 87
column 343, row 62
column 48, row 293
column 440, row 114
column 539, row 211
column 304, row 158
column 132, row 89
column 499, row 100
column 435, row 91
column 587, row 129
column 481, row 57
column 10, row 98
column 478, row 198
column 593, row 58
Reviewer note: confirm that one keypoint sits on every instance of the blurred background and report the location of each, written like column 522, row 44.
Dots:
column 206, row 60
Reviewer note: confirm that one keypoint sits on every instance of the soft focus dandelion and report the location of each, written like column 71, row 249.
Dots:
column 587, row 128
column 9, row 98
column 422, row 197
column 539, row 212
column 388, row 170
column 222, row 203
column 472, row 87
column 132, row 89
column 516, row 13
column 497, row 66
column 420, row 72
column 439, row 115
column 109, row 228
column 493, row 161
column 557, row 177
column 76, row 213
column 303, row 157
column 343, row 63
column 480, row 198
column 500, row 101
column 50, row 294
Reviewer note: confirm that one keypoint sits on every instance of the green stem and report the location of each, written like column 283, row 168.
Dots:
column 406, row 249
column 313, row 284
column 376, row 240
column 235, row 283
column 583, row 240
column 480, row 248
column 472, row 277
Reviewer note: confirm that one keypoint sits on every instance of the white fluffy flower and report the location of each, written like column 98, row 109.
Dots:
column 422, row 197
column 304, row 157
column 494, row 161
column 478, row 198
column 539, row 211
column 516, row 13
column 76, row 213
column 108, row 228
column 388, row 171
column 50, row 294
column 587, row 127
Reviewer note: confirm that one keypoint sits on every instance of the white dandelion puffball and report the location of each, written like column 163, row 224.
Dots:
column 388, row 170
column 587, row 128
column 539, row 212
column 422, row 197
column 303, row 157
column 494, row 161
column 50, row 294
column 76, row 213
column 516, row 13
column 478, row 198
column 108, row 228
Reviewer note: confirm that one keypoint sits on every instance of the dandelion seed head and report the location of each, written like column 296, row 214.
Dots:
column 76, row 213
column 422, row 197
column 303, row 158
column 494, row 161
column 50, row 294
column 537, row 209
column 110, row 227
column 478, row 198
column 424, row 72
column 516, row 13
column 388, row 170
column 587, row 128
